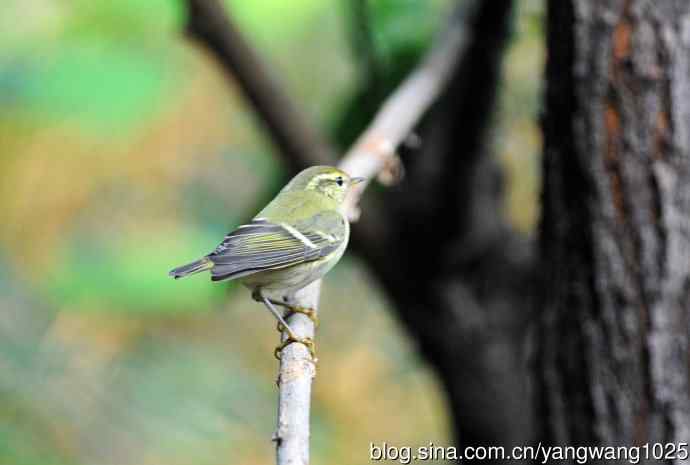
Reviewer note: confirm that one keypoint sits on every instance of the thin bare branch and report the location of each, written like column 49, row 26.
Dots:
column 297, row 370
column 372, row 154
column 369, row 156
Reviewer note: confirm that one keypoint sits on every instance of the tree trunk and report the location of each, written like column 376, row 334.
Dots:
column 613, row 351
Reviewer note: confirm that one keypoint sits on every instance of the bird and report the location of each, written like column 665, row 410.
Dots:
column 295, row 240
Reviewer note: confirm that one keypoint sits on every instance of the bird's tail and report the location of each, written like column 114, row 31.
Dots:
column 191, row 268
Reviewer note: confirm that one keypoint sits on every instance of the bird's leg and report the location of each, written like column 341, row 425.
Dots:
column 309, row 312
column 258, row 296
column 291, row 336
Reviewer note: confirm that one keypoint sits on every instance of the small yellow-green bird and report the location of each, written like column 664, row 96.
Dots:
column 295, row 240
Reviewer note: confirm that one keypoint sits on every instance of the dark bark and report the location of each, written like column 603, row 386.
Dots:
column 458, row 275
column 613, row 358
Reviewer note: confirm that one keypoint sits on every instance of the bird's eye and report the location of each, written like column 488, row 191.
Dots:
column 339, row 181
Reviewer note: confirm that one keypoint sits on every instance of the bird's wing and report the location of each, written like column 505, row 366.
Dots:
column 264, row 245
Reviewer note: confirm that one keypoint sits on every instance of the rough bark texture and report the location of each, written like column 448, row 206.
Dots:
column 615, row 237
column 297, row 370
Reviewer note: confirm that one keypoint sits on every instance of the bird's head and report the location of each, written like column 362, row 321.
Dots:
column 326, row 180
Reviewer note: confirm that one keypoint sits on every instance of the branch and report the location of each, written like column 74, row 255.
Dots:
column 297, row 369
column 372, row 155
column 369, row 156
column 287, row 127
column 374, row 151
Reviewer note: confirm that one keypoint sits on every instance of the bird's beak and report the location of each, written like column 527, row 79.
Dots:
column 354, row 181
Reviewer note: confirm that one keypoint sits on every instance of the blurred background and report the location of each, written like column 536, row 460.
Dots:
column 124, row 152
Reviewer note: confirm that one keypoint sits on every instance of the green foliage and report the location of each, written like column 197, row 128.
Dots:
column 98, row 85
column 401, row 31
column 404, row 24
column 130, row 20
column 268, row 20
column 106, row 68
column 131, row 276
column 25, row 444
column 162, row 370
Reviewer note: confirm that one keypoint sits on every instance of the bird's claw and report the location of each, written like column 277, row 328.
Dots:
column 306, row 341
column 309, row 312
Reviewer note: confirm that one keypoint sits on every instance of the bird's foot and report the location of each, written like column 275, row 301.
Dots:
column 306, row 341
column 309, row 312
column 291, row 308
column 283, row 325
